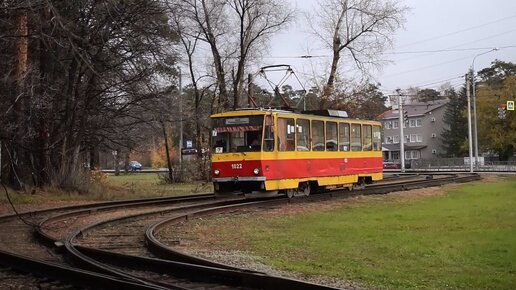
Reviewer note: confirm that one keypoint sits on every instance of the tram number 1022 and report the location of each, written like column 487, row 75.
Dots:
column 236, row 166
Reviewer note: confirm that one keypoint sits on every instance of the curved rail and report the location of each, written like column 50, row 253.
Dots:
column 162, row 250
column 67, row 274
column 103, row 261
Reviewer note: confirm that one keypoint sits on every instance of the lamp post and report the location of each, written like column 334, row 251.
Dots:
column 470, row 143
column 402, row 138
column 475, row 101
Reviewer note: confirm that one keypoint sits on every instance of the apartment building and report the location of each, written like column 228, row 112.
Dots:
column 422, row 131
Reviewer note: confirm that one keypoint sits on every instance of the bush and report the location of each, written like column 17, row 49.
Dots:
column 191, row 171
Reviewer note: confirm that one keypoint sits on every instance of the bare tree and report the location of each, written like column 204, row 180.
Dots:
column 257, row 21
column 189, row 35
column 362, row 28
column 209, row 18
column 235, row 30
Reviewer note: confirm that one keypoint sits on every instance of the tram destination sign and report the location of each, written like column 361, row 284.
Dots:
column 237, row 121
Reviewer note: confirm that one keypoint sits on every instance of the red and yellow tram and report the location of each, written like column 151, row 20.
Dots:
column 269, row 151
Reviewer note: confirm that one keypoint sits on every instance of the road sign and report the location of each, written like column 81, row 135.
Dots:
column 189, row 144
column 510, row 105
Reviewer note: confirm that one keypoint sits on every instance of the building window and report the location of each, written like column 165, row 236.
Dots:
column 416, row 138
column 395, row 124
column 395, row 155
column 388, row 125
column 388, row 139
column 412, row 154
column 419, row 123
column 412, row 123
column 396, row 139
column 406, row 139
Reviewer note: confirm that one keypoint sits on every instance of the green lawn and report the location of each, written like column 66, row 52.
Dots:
column 149, row 184
column 464, row 239
column 124, row 186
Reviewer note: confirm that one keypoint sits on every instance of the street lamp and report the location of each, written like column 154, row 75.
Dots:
column 474, row 101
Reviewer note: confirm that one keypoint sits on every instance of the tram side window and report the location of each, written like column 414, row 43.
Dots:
column 343, row 137
column 368, row 138
column 356, row 144
column 268, row 137
column 317, row 135
column 331, row 136
column 377, row 139
column 286, row 133
column 303, row 135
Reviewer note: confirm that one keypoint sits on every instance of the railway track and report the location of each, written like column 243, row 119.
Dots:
column 161, row 245
column 123, row 242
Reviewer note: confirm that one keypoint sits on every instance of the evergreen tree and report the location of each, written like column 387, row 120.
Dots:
column 454, row 137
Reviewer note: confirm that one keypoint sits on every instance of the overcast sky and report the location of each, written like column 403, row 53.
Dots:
column 430, row 25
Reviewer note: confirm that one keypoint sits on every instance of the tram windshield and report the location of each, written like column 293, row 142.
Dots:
column 237, row 134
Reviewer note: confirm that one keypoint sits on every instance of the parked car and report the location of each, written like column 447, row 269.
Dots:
column 391, row 165
column 395, row 165
column 135, row 166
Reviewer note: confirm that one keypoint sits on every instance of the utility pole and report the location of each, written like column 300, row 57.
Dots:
column 402, row 137
column 180, row 123
column 475, row 130
column 468, row 78
column 473, row 84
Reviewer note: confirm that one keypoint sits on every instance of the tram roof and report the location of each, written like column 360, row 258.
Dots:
column 262, row 111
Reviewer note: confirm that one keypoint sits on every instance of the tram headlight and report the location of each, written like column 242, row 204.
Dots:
column 216, row 172
column 256, row 171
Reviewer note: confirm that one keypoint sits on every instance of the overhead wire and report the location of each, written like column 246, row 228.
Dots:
column 459, row 31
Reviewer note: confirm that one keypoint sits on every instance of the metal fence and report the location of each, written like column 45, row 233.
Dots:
column 461, row 164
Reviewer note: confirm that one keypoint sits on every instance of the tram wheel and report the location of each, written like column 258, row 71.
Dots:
column 360, row 184
column 290, row 193
column 304, row 189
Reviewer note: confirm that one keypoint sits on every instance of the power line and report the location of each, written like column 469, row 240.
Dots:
column 438, row 82
column 460, row 31
column 447, row 50
column 406, row 52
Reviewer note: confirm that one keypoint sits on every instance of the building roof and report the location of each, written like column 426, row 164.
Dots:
column 414, row 109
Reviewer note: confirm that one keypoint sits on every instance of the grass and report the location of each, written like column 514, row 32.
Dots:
column 463, row 239
column 124, row 186
column 149, row 184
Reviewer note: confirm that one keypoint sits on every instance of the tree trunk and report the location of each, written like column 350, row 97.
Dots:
column 117, row 161
column 169, row 162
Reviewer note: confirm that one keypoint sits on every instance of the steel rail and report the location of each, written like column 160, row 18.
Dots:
column 69, row 275
column 50, row 241
column 247, row 279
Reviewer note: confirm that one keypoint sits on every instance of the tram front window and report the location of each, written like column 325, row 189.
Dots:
column 237, row 134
